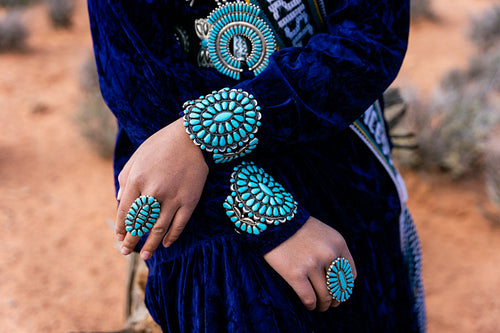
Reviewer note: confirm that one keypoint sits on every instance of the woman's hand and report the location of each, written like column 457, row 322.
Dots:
column 303, row 259
column 169, row 167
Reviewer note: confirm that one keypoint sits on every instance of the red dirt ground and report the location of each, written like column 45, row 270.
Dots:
column 59, row 269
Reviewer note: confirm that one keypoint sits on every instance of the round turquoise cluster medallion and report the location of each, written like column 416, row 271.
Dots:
column 142, row 215
column 257, row 200
column 235, row 38
column 223, row 123
column 339, row 280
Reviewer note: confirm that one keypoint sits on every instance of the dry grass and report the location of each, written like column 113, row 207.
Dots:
column 13, row 33
column 421, row 9
column 451, row 129
column 485, row 28
column 61, row 12
column 94, row 119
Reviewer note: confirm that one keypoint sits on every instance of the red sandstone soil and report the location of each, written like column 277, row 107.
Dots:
column 59, row 269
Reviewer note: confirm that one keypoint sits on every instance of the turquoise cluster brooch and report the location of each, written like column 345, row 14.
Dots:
column 142, row 215
column 257, row 200
column 234, row 38
column 223, row 123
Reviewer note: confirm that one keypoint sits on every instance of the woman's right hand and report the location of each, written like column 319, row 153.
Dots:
column 303, row 260
column 171, row 168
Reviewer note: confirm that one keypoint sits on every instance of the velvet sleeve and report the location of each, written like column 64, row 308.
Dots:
column 323, row 87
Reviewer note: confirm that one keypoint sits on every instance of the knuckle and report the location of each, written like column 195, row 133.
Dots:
column 121, row 178
column 190, row 199
column 324, row 303
column 137, row 179
column 159, row 230
column 177, row 230
column 299, row 274
column 309, row 302
column 312, row 263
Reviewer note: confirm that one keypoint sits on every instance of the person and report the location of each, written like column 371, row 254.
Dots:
column 251, row 212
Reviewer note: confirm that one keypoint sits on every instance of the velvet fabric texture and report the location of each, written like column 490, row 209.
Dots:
column 214, row 279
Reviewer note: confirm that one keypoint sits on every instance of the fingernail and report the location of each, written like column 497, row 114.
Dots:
column 119, row 195
column 145, row 255
column 125, row 251
column 168, row 244
column 120, row 237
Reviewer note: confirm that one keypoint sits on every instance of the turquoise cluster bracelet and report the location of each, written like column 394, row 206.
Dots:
column 257, row 200
column 223, row 123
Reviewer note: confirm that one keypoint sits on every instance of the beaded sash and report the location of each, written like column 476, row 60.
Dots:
column 370, row 128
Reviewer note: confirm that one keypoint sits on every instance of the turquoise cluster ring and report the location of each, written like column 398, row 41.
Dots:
column 142, row 215
column 223, row 123
column 340, row 280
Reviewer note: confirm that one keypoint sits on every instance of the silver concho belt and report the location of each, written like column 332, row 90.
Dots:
column 234, row 39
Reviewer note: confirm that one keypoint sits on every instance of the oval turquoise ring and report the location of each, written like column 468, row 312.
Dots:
column 142, row 215
column 339, row 280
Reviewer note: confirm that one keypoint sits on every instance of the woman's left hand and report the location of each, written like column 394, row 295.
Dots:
column 171, row 168
column 303, row 260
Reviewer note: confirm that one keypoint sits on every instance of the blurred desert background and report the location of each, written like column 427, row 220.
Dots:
column 60, row 270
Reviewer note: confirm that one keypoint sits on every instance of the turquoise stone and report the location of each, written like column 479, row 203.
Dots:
column 343, row 282
column 140, row 213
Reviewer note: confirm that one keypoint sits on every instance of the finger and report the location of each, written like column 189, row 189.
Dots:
column 335, row 303
column 123, row 177
column 128, row 197
column 158, row 231
column 305, row 291
column 181, row 218
column 318, row 281
column 349, row 258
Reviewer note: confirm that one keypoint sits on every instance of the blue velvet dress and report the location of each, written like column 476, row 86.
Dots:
column 214, row 279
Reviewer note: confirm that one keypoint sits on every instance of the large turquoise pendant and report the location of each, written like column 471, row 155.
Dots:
column 235, row 38
column 339, row 279
column 257, row 200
